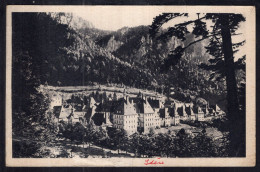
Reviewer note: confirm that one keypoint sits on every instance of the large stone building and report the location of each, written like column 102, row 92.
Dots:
column 133, row 114
column 125, row 116
column 146, row 115
column 174, row 116
column 190, row 113
column 200, row 116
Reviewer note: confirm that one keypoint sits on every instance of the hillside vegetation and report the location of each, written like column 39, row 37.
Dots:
column 69, row 51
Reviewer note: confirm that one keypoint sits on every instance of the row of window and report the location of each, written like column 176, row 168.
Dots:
column 150, row 114
column 130, row 116
column 131, row 127
column 130, row 121
column 117, row 126
column 118, row 116
column 149, row 124
column 118, row 121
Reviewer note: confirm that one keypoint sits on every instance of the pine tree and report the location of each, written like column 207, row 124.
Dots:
column 221, row 47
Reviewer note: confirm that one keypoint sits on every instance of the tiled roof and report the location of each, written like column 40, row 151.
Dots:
column 105, row 106
column 215, row 107
column 173, row 112
column 154, row 103
column 164, row 112
column 189, row 111
column 141, row 105
column 181, row 111
column 56, row 111
column 197, row 110
column 125, row 107
column 147, row 107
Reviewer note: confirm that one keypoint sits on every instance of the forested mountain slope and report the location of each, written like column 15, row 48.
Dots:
column 68, row 50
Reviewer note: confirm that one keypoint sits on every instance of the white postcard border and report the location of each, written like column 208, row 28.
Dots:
column 249, row 160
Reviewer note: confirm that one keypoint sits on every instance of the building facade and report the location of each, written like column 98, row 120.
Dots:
column 125, row 116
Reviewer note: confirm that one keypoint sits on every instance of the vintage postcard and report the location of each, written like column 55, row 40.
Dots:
column 133, row 86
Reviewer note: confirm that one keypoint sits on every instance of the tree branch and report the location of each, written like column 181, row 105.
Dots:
column 189, row 22
column 205, row 38
column 199, row 40
column 214, row 30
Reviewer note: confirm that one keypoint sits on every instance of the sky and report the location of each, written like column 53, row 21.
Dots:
column 108, row 18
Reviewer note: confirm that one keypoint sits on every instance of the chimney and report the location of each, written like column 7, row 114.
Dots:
column 145, row 98
column 127, row 99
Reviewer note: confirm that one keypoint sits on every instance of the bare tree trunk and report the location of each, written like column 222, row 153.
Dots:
column 232, row 96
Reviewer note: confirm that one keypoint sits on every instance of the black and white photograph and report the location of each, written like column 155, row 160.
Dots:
column 130, row 86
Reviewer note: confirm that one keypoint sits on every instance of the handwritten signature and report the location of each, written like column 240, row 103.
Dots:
column 153, row 162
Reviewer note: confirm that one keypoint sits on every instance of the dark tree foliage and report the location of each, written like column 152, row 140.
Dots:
column 78, row 133
column 118, row 137
column 89, row 56
column 222, row 63
column 90, row 133
column 37, row 40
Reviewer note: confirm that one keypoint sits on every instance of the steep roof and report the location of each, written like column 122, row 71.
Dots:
column 162, row 113
column 154, row 103
column 56, row 111
column 147, row 107
column 205, row 110
column 125, row 107
column 189, row 110
column 78, row 108
column 105, row 106
column 211, row 110
column 141, row 105
column 92, row 101
column 215, row 107
column 173, row 112
column 65, row 112
column 181, row 111
column 197, row 110
column 165, row 112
